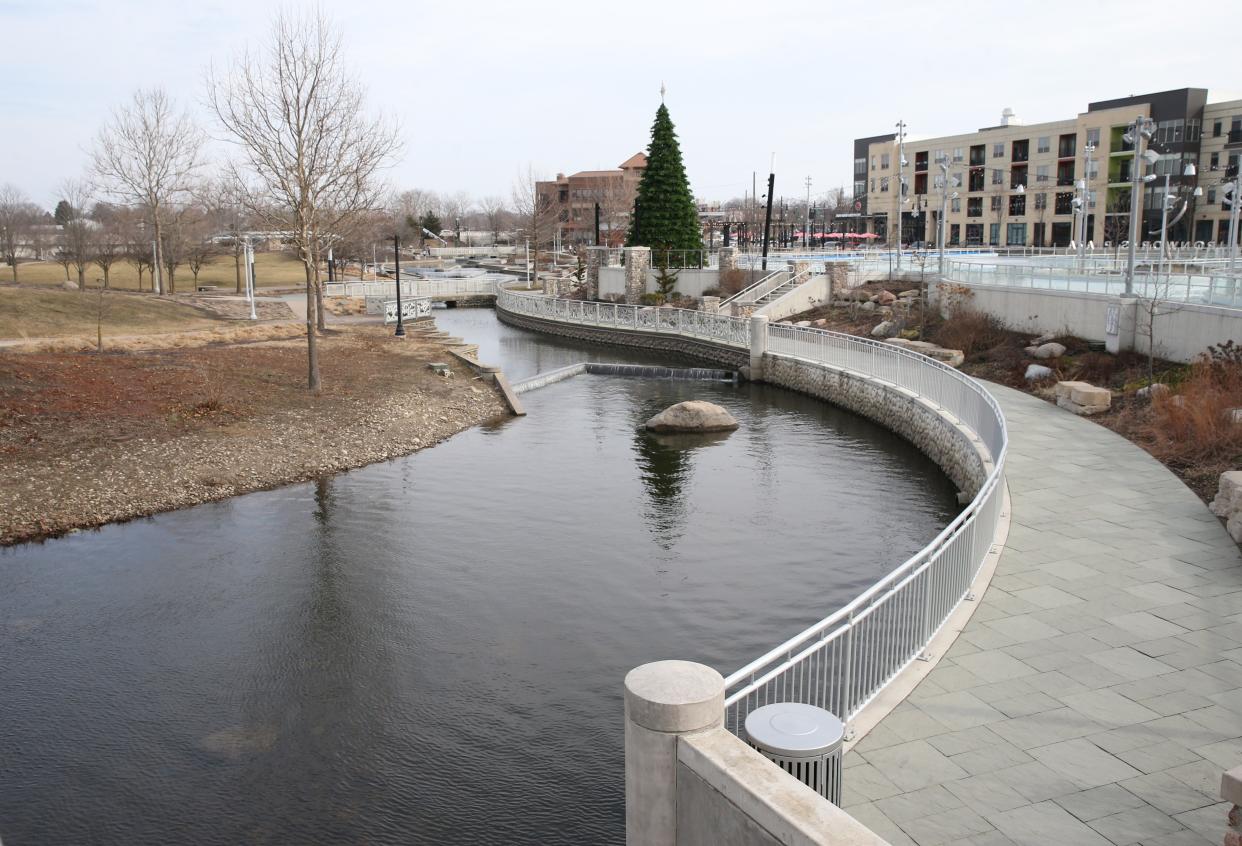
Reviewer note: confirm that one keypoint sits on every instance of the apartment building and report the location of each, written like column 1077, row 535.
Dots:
column 1015, row 184
column 571, row 201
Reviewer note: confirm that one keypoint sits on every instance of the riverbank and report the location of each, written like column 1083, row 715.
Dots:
column 90, row 439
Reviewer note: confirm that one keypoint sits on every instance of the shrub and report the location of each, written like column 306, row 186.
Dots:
column 971, row 332
column 733, row 281
column 654, row 299
column 1196, row 424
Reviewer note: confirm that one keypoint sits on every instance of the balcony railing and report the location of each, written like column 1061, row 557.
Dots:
column 1234, row 137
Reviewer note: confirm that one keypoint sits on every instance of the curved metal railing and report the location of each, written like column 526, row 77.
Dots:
column 842, row 662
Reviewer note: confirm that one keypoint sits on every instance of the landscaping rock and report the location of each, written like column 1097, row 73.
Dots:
column 885, row 298
column 69, row 286
column 886, row 329
column 1083, row 397
column 1035, row 372
column 912, row 294
column 1157, row 389
column 803, row 323
column 1043, row 339
column 692, row 416
column 857, row 295
column 869, row 306
column 1228, row 502
column 1234, row 415
column 1030, row 350
column 823, row 321
column 953, row 358
column 1049, row 350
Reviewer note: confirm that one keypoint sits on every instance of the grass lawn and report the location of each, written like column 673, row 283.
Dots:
column 278, row 269
column 33, row 312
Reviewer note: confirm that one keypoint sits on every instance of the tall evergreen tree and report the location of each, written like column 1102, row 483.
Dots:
column 665, row 216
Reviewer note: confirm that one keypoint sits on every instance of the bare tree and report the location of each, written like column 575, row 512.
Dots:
column 309, row 156
column 454, row 207
column 147, row 155
column 17, row 218
column 200, row 248
column 77, row 234
column 175, row 243
column 493, row 211
column 536, row 212
column 108, row 247
column 223, row 206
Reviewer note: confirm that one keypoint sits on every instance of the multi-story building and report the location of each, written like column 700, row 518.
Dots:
column 1020, row 185
column 571, row 200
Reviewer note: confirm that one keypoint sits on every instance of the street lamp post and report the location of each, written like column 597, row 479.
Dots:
column 396, row 253
column 1083, row 202
column 901, row 183
column 1138, row 132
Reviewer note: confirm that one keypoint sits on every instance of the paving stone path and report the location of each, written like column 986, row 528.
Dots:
column 1095, row 697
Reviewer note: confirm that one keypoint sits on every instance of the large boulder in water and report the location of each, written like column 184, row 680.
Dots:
column 693, row 416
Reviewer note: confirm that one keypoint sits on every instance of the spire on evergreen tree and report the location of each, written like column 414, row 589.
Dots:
column 665, row 216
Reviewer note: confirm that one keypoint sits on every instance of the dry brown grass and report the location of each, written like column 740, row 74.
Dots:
column 30, row 312
column 971, row 332
column 275, row 269
column 230, row 334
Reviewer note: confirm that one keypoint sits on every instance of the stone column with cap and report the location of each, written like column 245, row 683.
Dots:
column 595, row 256
column 726, row 259
column 637, row 263
column 664, row 700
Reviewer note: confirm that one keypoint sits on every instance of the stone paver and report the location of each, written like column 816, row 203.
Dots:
column 1095, row 696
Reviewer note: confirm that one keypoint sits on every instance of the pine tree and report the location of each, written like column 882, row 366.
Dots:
column 665, row 216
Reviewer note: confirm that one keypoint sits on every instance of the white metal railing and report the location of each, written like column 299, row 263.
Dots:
column 1203, row 281
column 758, row 288
column 844, row 660
column 463, row 286
column 730, row 331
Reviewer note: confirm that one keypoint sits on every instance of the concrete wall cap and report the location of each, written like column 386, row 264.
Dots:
column 1231, row 785
column 674, row 696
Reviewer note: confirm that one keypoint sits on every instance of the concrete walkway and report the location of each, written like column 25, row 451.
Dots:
column 1095, row 697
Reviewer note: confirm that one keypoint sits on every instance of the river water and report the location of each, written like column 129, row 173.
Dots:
column 431, row 650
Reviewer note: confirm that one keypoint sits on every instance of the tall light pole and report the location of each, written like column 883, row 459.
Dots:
column 396, row 260
column 806, row 216
column 1083, row 203
column 901, row 183
column 945, row 184
column 1137, row 133
column 1230, row 189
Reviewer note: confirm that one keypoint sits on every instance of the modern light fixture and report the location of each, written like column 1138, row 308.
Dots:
column 1151, row 177
column 1151, row 156
column 1189, row 170
column 1198, row 192
column 1021, row 189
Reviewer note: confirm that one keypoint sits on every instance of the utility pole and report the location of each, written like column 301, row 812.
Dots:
column 1235, row 194
column 806, row 216
column 155, row 263
column 943, row 162
column 901, row 183
column 597, row 224
column 767, row 218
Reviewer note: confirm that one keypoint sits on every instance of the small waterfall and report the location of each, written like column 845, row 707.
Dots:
column 644, row 371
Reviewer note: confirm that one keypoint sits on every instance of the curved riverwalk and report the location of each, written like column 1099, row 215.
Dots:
column 1095, row 697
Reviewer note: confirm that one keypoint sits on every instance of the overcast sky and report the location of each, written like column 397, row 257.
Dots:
column 483, row 88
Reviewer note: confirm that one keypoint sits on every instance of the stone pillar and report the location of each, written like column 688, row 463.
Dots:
column 595, row 257
column 637, row 262
column 758, row 345
column 801, row 267
column 1231, row 791
column 727, row 259
column 711, row 305
column 663, row 700
column 1120, row 324
column 549, row 284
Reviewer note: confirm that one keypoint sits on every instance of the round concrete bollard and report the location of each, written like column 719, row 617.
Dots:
column 663, row 700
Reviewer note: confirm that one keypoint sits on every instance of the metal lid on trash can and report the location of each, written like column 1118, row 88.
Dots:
column 794, row 730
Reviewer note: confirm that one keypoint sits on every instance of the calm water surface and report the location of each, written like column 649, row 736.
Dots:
column 431, row 650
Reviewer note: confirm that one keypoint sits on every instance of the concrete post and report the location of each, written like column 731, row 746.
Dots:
column 758, row 345
column 637, row 263
column 663, row 700
column 711, row 305
column 1121, row 324
column 595, row 257
column 727, row 258
column 800, row 267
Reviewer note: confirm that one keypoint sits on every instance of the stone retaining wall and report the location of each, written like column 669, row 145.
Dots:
column 953, row 447
column 731, row 357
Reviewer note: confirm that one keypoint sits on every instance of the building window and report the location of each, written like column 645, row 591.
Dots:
column 1091, row 199
column 974, row 207
column 956, row 205
column 860, row 187
column 1216, row 127
column 885, row 160
column 1093, row 169
column 977, row 154
column 1093, row 137
column 1215, row 164
column 998, row 150
column 974, row 234
column 1067, row 146
column 1065, row 203
column 958, row 154
column 873, row 185
column 1043, row 144
column 998, row 177
column 976, row 179
column 883, row 184
column 1041, row 173
column 873, row 162
column 1041, row 201
column 939, row 155
column 994, row 234
column 954, row 233
column 860, row 166
column 1211, row 195
column 1016, row 235
column 1017, row 205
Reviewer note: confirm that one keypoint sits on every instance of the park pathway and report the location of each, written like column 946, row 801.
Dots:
column 1095, row 697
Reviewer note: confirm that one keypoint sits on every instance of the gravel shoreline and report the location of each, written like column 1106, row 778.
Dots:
column 100, row 483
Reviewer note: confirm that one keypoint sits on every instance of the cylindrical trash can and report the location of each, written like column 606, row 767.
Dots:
column 804, row 741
